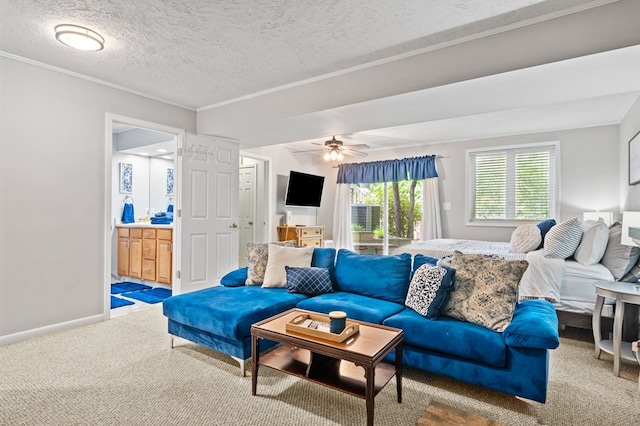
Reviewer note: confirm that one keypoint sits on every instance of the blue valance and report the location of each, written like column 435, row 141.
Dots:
column 415, row 168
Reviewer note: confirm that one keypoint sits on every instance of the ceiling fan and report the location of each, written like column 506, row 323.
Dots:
column 334, row 150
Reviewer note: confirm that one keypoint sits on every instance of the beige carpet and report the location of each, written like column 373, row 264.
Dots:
column 122, row 372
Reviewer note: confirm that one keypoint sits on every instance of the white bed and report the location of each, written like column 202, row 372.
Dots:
column 573, row 291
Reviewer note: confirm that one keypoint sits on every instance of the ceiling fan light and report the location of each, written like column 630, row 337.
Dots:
column 340, row 156
column 79, row 37
column 333, row 155
column 327, row 157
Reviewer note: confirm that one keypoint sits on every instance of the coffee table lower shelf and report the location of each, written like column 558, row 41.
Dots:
column 331, row 372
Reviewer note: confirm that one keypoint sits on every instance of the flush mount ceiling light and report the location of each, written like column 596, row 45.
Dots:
column 79, row 37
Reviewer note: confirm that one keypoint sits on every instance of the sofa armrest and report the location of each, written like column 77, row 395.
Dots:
column 534, row 325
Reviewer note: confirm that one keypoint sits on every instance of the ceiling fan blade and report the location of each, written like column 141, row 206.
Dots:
column 358, row 146
column 309, row 150
column 348, row 151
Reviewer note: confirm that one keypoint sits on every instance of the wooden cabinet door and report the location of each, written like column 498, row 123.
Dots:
column 135, row 263
column 149, row 269
column 163, row 261
column 123, row 256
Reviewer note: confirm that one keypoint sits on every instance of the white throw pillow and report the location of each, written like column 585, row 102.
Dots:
column 275, row 275
column 525, row 238
column 563, row 239
column 594, row 242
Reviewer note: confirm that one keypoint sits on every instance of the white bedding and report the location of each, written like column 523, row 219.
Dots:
column 445, row 246
column 566, row 283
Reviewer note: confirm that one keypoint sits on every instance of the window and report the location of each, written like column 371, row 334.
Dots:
column 511, row 184
column 368, row 213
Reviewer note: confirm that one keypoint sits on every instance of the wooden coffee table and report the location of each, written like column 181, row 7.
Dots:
column 354, row 366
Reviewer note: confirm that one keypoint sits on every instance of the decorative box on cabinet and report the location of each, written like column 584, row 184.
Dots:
column 145, row 253
column 305, row 236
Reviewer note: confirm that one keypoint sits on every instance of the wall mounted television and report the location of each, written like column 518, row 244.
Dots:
column 304, row 190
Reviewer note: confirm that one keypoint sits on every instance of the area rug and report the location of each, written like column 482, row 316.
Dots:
column 154, row 295
column 125, row 286
column 117, row 302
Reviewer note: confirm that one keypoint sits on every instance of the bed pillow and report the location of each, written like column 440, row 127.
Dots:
column 429, row 290
column 275, row 275
column 525, row 238
column 311, row 281
column 258, row 255
column 485, row 290
column 595, row 237
column 618, row 258
column 545, row 226
column 563, row 239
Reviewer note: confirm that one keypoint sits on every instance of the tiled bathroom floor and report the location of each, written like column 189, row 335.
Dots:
column 137, row 304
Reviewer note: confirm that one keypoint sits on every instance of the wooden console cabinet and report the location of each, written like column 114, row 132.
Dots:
column 145, row 253
column 305, row 236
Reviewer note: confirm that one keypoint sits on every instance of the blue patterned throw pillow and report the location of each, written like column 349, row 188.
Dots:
column 311, row 281
column 429, row 290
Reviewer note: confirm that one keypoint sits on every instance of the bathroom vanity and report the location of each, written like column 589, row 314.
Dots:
column 145, row 252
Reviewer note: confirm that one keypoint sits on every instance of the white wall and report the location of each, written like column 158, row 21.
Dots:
column 52, row 166
column 588, row 176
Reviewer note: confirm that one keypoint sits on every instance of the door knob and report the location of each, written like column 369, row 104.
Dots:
column 233, row 226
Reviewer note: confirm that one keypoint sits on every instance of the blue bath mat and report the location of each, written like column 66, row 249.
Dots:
column 117, row 302
column 153, row 295
column 125, row 286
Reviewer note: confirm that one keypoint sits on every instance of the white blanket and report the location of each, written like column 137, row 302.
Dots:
column 543, row 278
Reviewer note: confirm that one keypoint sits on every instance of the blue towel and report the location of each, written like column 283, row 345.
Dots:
column 127, row 213
column 161, row 220
column 170, row 208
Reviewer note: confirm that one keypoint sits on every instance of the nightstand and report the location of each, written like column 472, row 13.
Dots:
column 623, row 293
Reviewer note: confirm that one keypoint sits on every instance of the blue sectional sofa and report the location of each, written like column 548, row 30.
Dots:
column 373, row 289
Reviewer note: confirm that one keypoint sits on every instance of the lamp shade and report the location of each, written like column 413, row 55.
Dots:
column 629, row 220
column 607, row 217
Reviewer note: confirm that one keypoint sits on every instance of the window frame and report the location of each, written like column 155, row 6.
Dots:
column 469, row 210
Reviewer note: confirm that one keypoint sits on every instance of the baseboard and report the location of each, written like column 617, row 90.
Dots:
column 23, row 335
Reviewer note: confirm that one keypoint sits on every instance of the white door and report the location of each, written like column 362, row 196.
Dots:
column 208, row 216
column 247, row 210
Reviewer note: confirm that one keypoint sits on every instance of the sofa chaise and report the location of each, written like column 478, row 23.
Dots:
column 374, row 288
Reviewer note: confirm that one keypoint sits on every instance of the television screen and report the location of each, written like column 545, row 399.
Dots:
column 304, row 190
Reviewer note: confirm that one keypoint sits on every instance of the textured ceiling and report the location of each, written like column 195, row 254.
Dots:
column 199, row 52
column 387, row 72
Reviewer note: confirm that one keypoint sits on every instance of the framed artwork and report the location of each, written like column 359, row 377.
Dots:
column 634, row 159
column 126, row 178
column 169, row 181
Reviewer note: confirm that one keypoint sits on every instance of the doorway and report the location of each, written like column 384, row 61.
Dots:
column 253, row 204
column 141, row 169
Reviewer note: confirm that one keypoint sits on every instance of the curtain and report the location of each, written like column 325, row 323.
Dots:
column 431, row 225
column 342, row 237
column 415, row 168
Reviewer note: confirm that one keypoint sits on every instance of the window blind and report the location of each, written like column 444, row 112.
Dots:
column 512, row 183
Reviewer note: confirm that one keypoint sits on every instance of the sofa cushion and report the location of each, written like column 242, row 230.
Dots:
column 534, row 325
column 422, row 259
column 485, row 290
column 545, row 226
column 429, row 290
column 279, row 257
column 229, row 311
column 258, row 256
column 450, row 336
column 235, row 278
column 378, row 276
column 311, row 281
column 356, row 306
